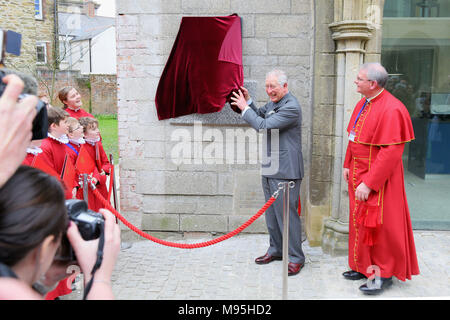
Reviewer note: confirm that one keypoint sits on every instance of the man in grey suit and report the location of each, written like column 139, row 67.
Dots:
column 281, row 118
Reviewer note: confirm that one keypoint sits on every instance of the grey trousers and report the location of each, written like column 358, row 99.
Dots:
column 274, row 220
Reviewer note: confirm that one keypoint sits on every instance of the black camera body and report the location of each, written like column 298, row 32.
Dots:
column 40, row 122
column 91, row 225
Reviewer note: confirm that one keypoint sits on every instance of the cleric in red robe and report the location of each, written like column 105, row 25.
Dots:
column 381, row 240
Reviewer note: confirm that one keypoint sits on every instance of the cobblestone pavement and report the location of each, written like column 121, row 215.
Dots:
column 227, row 271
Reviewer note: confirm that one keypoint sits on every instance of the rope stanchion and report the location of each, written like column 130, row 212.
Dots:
column 184, row 245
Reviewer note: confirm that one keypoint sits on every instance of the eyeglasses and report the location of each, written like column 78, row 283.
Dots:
column 359, row 79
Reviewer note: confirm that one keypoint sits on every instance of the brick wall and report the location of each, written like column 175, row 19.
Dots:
column 104, row 93
column 98, row 91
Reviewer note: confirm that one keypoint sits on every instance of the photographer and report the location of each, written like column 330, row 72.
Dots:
column 15, row 126
column 33, row 219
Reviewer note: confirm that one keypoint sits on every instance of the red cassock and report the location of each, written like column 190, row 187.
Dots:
column 77, row 114
column 28, row 161
column 204, row 66
column 98, row 154
column 53, row 154
column 72, row 151
column 380, row 232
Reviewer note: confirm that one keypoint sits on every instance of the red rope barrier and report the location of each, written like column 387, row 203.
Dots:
column 182, row 245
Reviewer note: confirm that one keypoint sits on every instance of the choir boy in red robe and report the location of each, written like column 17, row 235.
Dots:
column 33, row 150
column 381, row 241
column 76, row 140
column 103, row 167
column 71, row 99
column 54, row 151
column 54, row 146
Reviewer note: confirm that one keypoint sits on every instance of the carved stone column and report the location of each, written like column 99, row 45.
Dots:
column 350, row 37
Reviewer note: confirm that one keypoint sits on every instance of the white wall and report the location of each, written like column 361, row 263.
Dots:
column 104, row 52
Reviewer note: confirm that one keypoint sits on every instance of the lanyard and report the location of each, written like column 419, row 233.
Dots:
column 71, row 147
column 360, row 111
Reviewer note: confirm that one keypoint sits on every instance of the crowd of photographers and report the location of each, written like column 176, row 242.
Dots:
column 34, row 219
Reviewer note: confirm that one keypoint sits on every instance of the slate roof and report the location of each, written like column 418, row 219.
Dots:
column 82, row 27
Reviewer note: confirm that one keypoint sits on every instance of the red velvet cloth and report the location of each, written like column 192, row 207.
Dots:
column 205, row 64
column 380, row 232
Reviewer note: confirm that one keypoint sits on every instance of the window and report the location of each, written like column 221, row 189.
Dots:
column 38, row 10
column 41, row 53
column 415, row 50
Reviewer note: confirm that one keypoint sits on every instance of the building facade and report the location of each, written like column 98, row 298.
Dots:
column 320, row 44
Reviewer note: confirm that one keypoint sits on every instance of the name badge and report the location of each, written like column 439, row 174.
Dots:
column 351, row 136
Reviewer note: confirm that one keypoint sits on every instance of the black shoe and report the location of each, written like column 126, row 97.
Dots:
column 353, row 275
column 376, row 288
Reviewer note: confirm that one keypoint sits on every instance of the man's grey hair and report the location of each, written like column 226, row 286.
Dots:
column 280, row 75
column 375, row 71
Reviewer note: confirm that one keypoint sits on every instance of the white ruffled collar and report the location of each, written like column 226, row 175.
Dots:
column 34, row 150
column 63, row 139
column 92, row 142
column 77, row 142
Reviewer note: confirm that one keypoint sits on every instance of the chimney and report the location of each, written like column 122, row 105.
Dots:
column 89, row 8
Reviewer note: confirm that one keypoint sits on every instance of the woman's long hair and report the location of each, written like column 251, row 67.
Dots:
column 32, row 207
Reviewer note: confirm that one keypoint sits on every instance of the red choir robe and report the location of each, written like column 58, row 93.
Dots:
column 204, row 66
column 97, row 153
column 28, row 161
column 79, row 113
column 73, row 150
column 53, row 154
column 380, row 232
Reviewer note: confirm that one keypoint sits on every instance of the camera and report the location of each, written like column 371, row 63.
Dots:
column 91, row 225
column 40, row 122
column 11, row 42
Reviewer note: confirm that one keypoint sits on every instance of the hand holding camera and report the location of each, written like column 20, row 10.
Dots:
column 16, row 122
column 86, row 251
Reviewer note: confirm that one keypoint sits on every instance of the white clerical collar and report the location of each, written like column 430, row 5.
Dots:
column 371, row 98
column 92, row 141
column 63, row 139
column 77, row 142
column 34, row 150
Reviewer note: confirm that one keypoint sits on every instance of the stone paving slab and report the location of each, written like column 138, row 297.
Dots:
column 227, row 271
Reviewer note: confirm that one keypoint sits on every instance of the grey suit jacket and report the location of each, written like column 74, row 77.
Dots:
column 282, row 119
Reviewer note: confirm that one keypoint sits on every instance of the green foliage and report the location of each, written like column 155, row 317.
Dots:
column 109, row 131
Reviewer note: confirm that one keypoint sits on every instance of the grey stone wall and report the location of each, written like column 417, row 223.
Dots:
column 206, row 191
column 18, row 16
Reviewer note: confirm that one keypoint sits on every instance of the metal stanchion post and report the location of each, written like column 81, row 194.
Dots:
column 85, row 188
column 285, row 238
column 286, row 186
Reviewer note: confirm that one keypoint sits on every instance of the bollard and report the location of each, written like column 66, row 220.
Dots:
column 85, row 187
column 286, row 186
column 285, row 239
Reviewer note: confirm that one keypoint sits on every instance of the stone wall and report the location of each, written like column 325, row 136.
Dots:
column 200, row 194
column 318, row 205
column 103, row 93
column 98, row 91
column 18, row 16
